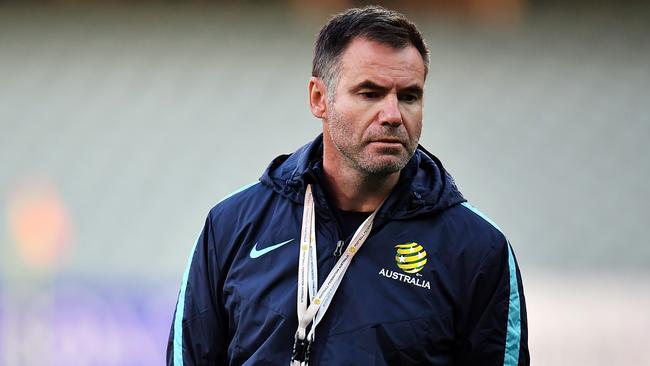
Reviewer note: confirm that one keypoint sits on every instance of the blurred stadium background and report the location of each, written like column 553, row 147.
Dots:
column 122, row 123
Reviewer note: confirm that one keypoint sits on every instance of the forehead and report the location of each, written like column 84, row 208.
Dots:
column 364, row 59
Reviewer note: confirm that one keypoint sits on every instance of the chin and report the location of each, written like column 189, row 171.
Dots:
column 384, row 165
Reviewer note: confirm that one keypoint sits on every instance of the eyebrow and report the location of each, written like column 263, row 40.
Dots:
column 414, row 89
column 367, row 84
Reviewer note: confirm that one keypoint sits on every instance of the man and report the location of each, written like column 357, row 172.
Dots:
column 357, row 249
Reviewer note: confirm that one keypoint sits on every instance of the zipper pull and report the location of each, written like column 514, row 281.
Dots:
column 339, row 248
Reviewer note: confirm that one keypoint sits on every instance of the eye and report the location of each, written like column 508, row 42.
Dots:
column 408, row 98
column 369, row 95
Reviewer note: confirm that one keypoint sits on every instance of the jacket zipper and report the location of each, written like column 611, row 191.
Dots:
column 339, row 248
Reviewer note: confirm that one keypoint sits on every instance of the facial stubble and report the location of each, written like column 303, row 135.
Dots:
column 357, row 154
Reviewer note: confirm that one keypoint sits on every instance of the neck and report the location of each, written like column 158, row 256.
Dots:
column 353, row 191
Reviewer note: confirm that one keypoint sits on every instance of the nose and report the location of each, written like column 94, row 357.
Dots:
column 390, row 113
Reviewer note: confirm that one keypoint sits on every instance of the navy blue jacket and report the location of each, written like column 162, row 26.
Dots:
column 237, row 302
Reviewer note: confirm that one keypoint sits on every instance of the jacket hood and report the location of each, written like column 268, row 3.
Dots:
column 424, row 186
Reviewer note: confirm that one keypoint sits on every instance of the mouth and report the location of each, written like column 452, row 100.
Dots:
column 388, row 141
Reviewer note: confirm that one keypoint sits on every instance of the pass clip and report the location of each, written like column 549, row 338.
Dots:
column 301, row 350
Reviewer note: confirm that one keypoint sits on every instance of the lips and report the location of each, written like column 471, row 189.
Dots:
column 387, row 140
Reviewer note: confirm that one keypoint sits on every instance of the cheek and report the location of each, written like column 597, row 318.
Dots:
column 411, row 111
column 414, row 132
column 412, row 120
column 354, row 121
column 341, row 127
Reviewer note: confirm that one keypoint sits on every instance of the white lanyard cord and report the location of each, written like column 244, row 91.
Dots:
column 320, row 300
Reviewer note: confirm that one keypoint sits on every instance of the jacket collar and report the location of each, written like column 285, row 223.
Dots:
column 424, row 185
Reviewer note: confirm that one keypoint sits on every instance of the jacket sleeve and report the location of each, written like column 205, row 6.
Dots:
column 495, row 328
column 199, row 333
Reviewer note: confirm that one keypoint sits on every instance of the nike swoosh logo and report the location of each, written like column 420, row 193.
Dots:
column 255, row 253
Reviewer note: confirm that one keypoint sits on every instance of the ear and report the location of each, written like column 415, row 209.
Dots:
column 317, row 97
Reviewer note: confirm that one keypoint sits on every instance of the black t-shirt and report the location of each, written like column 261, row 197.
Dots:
column 349, row 221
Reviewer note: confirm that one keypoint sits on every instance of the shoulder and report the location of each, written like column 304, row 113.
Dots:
column 230, row 218
column 240, row 200
column 476, row 235
column 232, row 213
column 480, row 218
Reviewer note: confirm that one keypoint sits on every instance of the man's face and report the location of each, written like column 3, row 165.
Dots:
column 375, row 119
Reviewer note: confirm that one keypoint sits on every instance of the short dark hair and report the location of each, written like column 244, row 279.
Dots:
column 374, row 23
